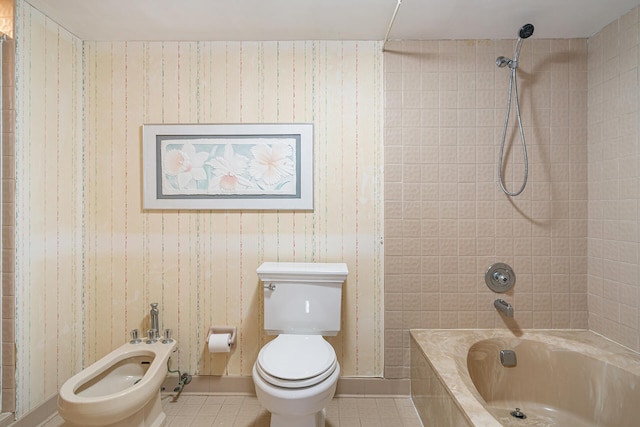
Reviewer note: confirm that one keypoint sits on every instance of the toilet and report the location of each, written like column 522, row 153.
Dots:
column 296, row 374
column 122, row 389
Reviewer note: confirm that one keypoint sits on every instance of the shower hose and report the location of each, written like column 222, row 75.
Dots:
column 513, row 90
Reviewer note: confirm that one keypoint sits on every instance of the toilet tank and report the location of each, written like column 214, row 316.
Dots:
column 302, row 298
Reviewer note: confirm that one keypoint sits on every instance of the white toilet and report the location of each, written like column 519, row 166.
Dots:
column 121, row 389
column 296, row 373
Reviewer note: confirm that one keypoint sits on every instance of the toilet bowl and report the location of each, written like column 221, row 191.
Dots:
column 295, row 378
column 296, row 374
column 121, row 389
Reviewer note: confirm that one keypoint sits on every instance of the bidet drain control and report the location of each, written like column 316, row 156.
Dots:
column 500, row 277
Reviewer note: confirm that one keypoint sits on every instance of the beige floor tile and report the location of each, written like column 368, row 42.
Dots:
column 246, row 411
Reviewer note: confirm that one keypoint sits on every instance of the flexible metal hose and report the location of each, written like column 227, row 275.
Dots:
column 513, row 88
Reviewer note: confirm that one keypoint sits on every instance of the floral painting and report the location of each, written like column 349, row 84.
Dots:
column 229, row 166
column 261, row 166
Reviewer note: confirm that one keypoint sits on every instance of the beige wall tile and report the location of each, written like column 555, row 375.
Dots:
column 611, row 259
column 468, row 223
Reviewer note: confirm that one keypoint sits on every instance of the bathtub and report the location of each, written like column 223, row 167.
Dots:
column 562, row 378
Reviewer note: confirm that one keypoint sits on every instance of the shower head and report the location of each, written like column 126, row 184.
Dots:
column 526, row 31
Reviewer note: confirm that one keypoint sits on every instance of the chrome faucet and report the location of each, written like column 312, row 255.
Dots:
column 504, row 307
column 155, row 323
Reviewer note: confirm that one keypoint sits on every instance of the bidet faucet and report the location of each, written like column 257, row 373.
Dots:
column 504, row 307
column 155, row 323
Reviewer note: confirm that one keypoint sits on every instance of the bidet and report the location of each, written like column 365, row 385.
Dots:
column 121, row 389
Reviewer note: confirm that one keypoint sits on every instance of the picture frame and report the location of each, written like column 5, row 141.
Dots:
column 227, row 166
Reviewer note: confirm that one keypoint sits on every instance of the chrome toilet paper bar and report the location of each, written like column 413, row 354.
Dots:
column 232, row 330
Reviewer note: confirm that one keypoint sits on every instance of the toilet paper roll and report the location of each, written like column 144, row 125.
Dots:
column 219, row 343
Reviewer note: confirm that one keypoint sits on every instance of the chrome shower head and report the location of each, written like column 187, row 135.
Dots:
column 526, row 31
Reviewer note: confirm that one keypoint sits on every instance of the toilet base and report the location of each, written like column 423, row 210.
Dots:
column 312, row 420
column 301, row 407
column 151, row 415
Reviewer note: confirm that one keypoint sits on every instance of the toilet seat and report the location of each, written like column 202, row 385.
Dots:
column 296, row 361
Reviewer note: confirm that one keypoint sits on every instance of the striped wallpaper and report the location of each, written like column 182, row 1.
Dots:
column 90, row 260
column 49, row 222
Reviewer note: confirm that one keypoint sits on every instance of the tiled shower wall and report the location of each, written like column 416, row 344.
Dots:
column 8, row 227
column 8, row 207
column 614, row 187
column 446, row 220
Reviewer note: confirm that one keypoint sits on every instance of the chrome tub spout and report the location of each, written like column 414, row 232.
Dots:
column 504, row 307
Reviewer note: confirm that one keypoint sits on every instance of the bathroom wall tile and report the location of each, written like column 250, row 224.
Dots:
column 412, row 192
column 612, row 229
column 468, row 223
column 8, row 307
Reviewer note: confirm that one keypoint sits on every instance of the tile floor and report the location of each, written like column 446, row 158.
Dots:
column 245, row 411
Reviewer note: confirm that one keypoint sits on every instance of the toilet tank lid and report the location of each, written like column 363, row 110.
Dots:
column 302, row 271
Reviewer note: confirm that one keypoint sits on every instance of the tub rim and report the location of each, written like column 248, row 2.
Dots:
column 450, row 366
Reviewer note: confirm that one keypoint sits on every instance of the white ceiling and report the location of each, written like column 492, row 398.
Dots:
column 329, row 19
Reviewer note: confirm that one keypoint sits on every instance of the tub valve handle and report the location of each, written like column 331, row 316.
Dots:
column 501, row 278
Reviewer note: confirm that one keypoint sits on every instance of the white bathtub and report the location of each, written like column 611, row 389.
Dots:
column 562, row 378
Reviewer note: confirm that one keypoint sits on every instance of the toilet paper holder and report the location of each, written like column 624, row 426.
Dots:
column 223, row 330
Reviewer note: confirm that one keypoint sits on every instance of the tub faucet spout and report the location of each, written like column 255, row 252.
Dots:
column 504, row 307
column 155, row 324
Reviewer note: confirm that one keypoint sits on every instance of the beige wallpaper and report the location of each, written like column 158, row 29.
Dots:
column 90, row 260
column 49, row 219
column 446, row 219
column 200, row 266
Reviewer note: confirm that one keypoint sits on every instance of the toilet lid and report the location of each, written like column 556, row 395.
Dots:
column 308, row 382
column 296, row 357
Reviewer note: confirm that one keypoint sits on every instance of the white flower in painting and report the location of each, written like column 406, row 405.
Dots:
column 272, row 163
column 227, row 171
column 186, row 165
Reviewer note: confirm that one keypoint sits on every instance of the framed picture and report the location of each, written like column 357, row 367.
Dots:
column 228, row 166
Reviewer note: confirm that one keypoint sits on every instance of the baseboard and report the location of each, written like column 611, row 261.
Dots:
column 368, row 387
column 211, row 384
column 6, row 418
column 348, row 386
column 39, row 414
